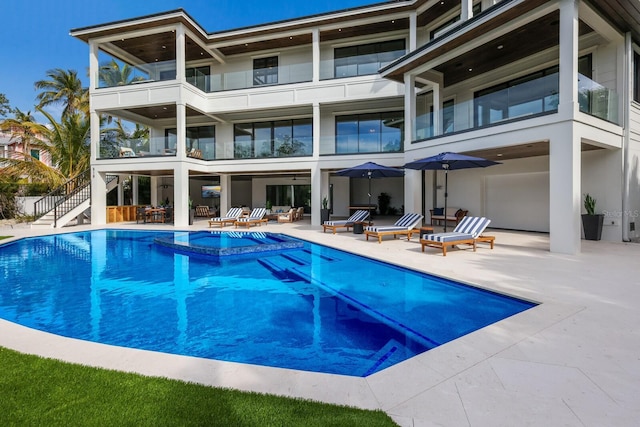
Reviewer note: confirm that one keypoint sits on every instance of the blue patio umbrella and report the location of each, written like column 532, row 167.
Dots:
column 370, row 171
column 449, row 161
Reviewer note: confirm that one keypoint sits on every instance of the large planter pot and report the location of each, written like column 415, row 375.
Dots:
column 324, row 215
column 592, row 226
column 192, row 214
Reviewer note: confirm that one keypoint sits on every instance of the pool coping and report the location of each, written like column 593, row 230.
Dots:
column 571, row 360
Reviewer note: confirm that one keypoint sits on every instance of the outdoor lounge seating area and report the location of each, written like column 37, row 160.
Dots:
column 405, row 226
column 358, row 216
column 467, row 232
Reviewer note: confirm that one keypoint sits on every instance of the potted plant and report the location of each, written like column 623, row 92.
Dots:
column 591, row 222
column 268, row 206
column 324, row 212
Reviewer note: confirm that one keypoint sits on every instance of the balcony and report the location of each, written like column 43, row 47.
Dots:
column 134, row 147
column 523, row 101
column 356, row 144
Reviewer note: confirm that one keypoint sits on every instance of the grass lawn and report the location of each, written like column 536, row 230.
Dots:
column 39, row 391
column 4, row 237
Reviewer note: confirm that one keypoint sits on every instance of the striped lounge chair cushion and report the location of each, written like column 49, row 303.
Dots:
column 472, row 225
column 379, row 228
column 408, row 220
column 231, row 214
column 255, row 215
column 447, row 237
column 358, row 216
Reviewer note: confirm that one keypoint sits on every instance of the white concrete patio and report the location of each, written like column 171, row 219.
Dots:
column 574, row 360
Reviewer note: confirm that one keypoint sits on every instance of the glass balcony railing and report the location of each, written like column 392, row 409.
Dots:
column 279, row 148
column 281, row 75
column 527, row 100
column 597, row 100
column 360, row 144
column 140, row 147
column 112, row 76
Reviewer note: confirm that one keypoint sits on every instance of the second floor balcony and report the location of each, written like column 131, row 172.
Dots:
column 520, row 101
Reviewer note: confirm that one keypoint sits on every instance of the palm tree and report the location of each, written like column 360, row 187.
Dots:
column 112, row 74
column 69, row 143
column 63, row 87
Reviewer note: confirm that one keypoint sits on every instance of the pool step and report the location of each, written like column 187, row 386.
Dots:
column 280, row 271
column 383, row 357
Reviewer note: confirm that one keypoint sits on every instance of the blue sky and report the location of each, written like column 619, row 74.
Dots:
column 35, row 33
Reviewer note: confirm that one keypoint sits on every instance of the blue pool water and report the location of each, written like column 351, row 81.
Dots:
column 309, row 307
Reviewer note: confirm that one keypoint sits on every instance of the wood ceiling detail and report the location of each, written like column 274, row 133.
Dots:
column 160, row 47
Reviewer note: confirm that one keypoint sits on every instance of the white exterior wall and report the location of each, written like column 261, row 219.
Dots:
column 633, row 211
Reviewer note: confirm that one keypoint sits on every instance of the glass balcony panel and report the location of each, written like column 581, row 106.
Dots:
column 125, row 74
column 597, row 100
column 112, row 148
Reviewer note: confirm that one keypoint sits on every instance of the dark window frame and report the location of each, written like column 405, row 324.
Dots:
column 265, row 71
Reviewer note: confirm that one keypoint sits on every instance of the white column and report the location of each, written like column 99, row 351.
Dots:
column 93, row 65
column 568, row 105
column 409, row 109
column 315, row 46
column 564, row 190
column 181, row 131
column 437, row 110
column 134, row 190
column 181, row 194
column 467, row 10
column 153, row 182
column 316, row 130
column 98, row 197
column 319, row 190
column 180, row 54
column 120, row 189
column 413, row 191
column 413, row 31
column 225, row 193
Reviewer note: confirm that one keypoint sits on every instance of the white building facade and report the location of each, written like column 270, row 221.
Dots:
column 269, row 113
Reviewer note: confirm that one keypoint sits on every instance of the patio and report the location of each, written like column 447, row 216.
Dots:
column 573, row 360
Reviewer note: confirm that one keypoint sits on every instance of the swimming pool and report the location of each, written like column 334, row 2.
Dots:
column 310, row 307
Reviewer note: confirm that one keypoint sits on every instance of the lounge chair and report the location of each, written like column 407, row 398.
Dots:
column 256, row 217
column 358, row 216
column 467, row 232
column 403, row 226
column 232, row 216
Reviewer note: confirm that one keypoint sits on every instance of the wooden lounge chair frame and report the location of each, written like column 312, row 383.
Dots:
column 359, row 215
column 228, row 220
column 469, row 232
column 256, row 217
column 405, row 226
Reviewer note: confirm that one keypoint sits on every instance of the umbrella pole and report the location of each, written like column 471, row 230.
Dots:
column 446, row 182
column 369, row 193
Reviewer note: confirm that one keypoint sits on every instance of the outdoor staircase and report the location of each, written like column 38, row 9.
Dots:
column 69, row 201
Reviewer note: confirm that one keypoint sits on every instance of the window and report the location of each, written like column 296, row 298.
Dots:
column 366, row 59
column 35, row 154
column 282, row 138
column 199, row 77
column 448, row 115
column 265, row 71
column 370, row 133
column 201, row 138
column 636, row 77
column 290, row 195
